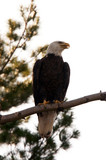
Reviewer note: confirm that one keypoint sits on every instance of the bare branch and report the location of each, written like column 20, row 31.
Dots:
column 49, row 107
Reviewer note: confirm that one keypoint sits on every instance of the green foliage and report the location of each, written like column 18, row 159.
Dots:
column 13, row 25
column 16, row 88
column 42, row 50
column 31, row 31
column 14, row 92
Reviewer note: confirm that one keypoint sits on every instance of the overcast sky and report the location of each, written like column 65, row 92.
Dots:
column 82, row 23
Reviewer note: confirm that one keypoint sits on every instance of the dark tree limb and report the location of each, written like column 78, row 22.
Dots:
column 49, row 107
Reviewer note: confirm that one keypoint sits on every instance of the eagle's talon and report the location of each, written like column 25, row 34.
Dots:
column 44, row 103
column 57, row 101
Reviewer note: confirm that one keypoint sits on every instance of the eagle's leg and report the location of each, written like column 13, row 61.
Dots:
column 44, row 102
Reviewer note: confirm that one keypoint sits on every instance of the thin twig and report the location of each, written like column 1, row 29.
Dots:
column 17, row 46
column 12, row 52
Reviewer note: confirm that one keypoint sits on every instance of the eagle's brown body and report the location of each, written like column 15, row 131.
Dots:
column 50, row 79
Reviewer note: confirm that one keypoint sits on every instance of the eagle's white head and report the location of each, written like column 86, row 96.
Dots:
column 57, row 47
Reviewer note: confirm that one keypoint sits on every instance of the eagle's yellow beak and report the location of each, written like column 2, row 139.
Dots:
column 65, row 45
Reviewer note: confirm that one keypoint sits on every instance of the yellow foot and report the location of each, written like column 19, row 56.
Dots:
column 57, row 101
column 44, row 103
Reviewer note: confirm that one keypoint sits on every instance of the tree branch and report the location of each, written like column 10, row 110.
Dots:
column 50, row 107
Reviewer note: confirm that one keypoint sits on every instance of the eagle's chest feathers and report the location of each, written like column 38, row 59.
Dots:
column 52, row 66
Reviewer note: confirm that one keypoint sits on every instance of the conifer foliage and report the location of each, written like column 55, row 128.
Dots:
column 16, row 88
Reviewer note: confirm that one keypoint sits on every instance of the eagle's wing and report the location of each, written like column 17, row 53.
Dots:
column 66, row 70
column 64, row 82
column 36, row 85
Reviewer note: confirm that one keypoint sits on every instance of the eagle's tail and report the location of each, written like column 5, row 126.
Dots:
column 46, row 120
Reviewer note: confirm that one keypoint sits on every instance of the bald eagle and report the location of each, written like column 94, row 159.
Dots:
column 50, row 81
